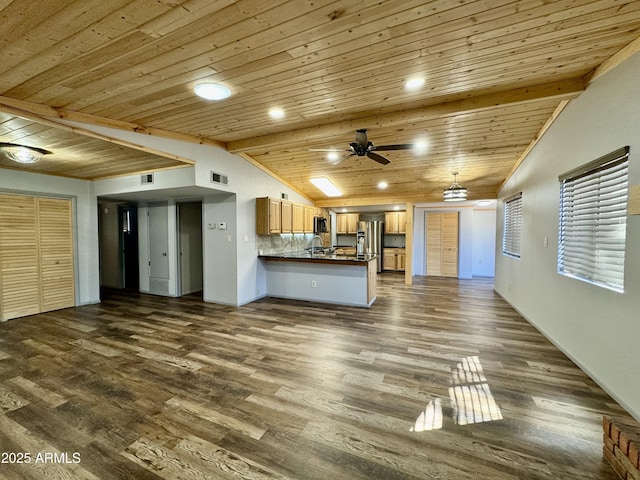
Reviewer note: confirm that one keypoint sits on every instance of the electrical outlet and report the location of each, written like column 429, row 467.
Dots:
column 313, row 284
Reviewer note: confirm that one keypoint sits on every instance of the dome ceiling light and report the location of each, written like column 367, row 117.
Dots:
column 22, row 153
column 212, row 91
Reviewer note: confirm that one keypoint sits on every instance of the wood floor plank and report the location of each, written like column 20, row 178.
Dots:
column 440, row 379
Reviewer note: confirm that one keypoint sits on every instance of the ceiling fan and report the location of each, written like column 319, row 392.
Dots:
column 363, row 147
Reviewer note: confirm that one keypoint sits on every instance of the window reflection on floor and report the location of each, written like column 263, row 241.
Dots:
column 470, row 397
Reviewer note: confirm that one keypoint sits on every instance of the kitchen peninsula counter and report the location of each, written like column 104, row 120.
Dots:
column 327, row 278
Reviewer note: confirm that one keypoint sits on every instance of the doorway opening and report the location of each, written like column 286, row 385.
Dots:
column 190, row 258
column 129, row 263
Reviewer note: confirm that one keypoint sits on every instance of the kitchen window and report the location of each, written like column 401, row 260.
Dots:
column 512, row 226
column 593, row 219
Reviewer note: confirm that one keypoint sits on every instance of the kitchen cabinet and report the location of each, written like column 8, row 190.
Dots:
column 308, row 213
column 297, row 218
column 347, row 223
column 268, row 216
column 274, row 216
column 393, row 259
column 395, row 222
column 286, row 209
column 346, row 251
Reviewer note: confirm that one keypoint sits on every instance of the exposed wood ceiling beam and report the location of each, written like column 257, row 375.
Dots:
column 565, row 89
column 44, row 120
column 614, row 61
column 38, row 110
column 394, row 200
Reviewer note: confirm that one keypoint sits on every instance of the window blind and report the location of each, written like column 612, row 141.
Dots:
column 593, row 217
column 512, row 226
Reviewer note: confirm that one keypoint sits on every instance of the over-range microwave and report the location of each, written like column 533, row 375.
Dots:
column 319, row 225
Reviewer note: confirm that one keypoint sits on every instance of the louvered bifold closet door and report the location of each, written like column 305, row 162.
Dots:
column 450, row 244
column 442, row 244
column 56, row 254
column 434, row 244
column 19, row 263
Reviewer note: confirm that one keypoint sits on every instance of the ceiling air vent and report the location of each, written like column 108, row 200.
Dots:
column 219, row 178
column 146, row 178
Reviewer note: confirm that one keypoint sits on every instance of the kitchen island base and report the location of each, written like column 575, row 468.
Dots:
column 340, row 282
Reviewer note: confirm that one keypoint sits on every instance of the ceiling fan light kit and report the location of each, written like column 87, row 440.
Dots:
column 362, row 147
column 455, row 193
column 21, row 153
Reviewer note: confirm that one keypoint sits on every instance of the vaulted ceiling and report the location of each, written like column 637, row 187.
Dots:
column 496, row 75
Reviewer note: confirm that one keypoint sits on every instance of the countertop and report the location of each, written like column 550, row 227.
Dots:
column 327, row 258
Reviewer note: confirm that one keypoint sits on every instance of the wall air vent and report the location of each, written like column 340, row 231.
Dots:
column 219, row 178
column 146, row 178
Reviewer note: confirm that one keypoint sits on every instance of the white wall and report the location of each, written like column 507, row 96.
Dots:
column 232, row 273
column 483, row 251
column 598, row 328
column 85, row 222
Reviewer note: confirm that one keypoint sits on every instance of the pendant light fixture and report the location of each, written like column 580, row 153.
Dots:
column 455, row 193
column 21, row 153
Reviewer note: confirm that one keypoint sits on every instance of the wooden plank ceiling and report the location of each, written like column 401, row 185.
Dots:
column 495, row 73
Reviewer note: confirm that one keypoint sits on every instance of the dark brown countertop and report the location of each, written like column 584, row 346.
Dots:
column 326, row 258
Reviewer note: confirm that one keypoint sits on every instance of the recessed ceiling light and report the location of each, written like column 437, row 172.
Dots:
column 332, row 156
column 382, row 185
column 325, row 185
column 420, row 147
column 397, row 207
column 484, row 203
column 276, row 113
column 344, row 210
column 212, row 91
column 414, row 83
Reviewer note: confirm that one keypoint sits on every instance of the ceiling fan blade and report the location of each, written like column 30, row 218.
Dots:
column 329, row 150
column 402, row 146
column 339, row 160
column 378, row 158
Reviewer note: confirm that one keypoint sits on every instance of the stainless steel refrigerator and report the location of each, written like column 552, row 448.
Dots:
column 373, row 232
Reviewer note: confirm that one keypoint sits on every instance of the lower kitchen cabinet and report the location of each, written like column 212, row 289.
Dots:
column 393, row 259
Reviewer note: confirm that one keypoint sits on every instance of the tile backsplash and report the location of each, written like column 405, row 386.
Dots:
column 284, row 243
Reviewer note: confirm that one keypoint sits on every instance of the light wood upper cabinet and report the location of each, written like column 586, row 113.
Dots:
column 402, row 222
column 286, row 216
column 297, row 218
column 274, row 216
column 308, row 213
column 268, row 216
column 347, row 223
column 395, row 222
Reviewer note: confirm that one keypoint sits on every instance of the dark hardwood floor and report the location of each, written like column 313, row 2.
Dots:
column 440, row 380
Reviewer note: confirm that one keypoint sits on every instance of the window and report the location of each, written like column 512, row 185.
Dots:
column 593, row 219
column 512, row 226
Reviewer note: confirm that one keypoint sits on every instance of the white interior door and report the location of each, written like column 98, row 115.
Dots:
column 158, row 242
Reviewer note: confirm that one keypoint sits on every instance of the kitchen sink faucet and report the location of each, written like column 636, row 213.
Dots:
column 313, row 241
